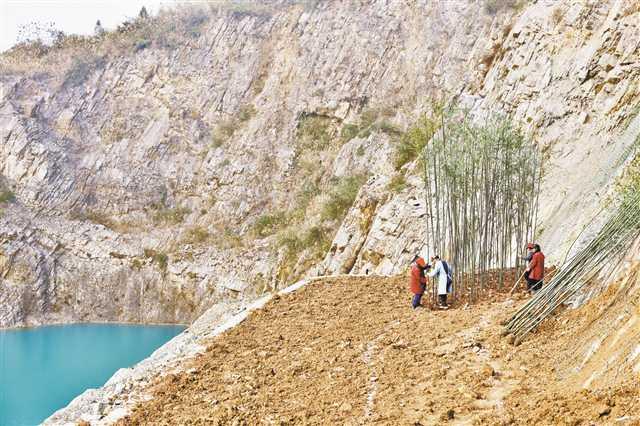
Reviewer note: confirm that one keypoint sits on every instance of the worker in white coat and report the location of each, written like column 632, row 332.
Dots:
column 440, row 270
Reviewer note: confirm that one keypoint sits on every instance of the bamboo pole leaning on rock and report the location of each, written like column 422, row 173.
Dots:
column 611, row 242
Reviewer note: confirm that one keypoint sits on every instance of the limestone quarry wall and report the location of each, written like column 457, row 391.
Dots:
column 566, row 72
column 118, row 165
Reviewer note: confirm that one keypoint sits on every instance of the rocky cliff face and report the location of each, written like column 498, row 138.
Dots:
column 566, row 72
column 209, row 155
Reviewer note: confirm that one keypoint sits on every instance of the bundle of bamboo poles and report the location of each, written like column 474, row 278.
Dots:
column 602, row 254
column 481, row 184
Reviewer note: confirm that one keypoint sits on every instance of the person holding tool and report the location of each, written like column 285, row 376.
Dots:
column 535, row 270
column 527, row 258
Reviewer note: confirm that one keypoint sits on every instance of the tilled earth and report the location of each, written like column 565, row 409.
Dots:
column 352, row 351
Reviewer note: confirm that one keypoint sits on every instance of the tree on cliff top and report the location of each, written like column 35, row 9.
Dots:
column 143, row 13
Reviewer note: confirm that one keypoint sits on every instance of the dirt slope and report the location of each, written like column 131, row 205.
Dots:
column 351, row 351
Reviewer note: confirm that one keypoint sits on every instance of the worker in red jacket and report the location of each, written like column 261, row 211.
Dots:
column 535, row 270
column 418, row 282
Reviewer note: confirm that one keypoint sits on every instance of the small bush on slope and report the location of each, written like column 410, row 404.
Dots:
column 269, row 224
column 6, row 196
column 173, row 215
column 341, row 197
column 161, row 259
column 315, row 133
column 197, row 234
column 370, row 120
column 81, row 69
column 226, row 128
column 397, row 183
column 412, row 143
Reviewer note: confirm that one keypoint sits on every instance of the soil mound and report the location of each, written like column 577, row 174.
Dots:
column 352, row 351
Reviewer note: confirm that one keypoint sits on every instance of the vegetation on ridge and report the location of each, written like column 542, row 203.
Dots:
column 315, row 132
column 6, row 196
column 46, row 51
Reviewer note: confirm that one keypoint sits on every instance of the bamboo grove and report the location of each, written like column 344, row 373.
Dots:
column 481, row 183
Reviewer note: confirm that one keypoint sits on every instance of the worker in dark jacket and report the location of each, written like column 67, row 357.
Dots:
column 535, row 270
column 417, row 281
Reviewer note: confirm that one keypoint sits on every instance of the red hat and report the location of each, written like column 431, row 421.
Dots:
column 420, row 262
column 530, row 246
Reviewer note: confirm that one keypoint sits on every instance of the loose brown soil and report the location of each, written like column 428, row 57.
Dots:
column 352, row 351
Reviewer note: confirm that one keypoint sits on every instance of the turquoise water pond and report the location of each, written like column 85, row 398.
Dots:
column 42, row 369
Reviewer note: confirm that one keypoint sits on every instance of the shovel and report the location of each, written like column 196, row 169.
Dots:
column 516, row 284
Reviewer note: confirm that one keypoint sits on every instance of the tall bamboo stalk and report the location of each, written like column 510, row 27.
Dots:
column 481, row 186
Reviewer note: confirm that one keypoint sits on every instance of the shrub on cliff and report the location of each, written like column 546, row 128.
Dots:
column 269, row 224
column 80, row 70
column 315, row 241
column 6, row 196
column 370, row 120
column 157, row 257
column 227, row 127
column 413, row 141
column 341, row 197
column 246, row 113
column 317, row 238
column 223, row 132
column 173, row 215
column 197, row 235
column 397, row 183
column 315, row 132
column 100, row 218
column 491, row 7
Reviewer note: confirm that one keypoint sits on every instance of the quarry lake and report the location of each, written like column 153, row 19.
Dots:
column 42, row 369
